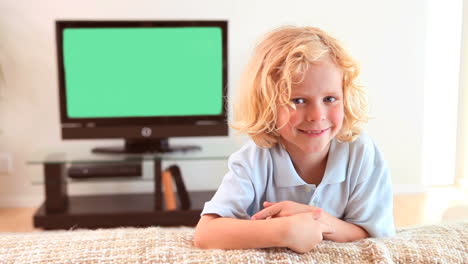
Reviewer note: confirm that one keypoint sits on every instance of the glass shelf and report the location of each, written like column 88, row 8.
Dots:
column 85, row 156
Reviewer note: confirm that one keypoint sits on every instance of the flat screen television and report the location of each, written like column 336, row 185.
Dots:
column 143, row 81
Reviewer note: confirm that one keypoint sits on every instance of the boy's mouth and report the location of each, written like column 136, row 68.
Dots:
column 315, row 132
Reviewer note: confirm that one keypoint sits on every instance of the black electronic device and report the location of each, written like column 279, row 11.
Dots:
column 86, row 171
column 143, row 81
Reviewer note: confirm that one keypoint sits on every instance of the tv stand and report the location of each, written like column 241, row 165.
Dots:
column 64, row 211
column 141, row 146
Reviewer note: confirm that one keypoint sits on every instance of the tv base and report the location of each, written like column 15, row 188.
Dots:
column 157, row 145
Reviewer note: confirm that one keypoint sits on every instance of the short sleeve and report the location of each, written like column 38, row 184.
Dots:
column 236, row 193
column 370, row 205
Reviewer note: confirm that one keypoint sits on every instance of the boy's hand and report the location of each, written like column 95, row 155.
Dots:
column 286, row 208
column 304, row 232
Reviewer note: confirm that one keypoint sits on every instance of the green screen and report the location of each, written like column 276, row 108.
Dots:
column 142, row 72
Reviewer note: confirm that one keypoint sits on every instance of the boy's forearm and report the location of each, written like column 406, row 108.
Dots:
column 228, row 233
column 344, row 231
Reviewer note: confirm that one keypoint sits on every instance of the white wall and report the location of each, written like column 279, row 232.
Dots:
column 462, row 146
column 441, row 89
column 387, row 37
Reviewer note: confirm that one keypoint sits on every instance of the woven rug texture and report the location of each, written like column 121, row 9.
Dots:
column 427, row 244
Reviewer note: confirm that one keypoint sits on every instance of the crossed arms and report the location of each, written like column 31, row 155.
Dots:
column 289, row 224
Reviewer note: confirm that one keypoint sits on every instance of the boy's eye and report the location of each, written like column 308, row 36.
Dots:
column 329, row 99
column 298, row 100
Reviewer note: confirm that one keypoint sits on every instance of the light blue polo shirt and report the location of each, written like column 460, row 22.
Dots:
column 356, row 186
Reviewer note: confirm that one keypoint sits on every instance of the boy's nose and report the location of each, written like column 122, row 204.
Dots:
column 315, row 113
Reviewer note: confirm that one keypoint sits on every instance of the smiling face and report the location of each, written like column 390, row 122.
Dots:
column 319, row 112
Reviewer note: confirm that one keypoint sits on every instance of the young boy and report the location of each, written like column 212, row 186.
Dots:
column 310, row 166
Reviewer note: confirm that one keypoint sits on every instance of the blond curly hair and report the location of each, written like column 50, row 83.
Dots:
column 279, row 61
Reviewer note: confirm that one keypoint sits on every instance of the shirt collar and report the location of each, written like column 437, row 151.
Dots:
column 337, row 163
column 285, row 175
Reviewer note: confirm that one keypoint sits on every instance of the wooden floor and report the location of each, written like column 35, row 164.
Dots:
column 16, row 219
column 437, row 205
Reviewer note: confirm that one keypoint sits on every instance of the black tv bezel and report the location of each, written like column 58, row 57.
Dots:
column 138, row 122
